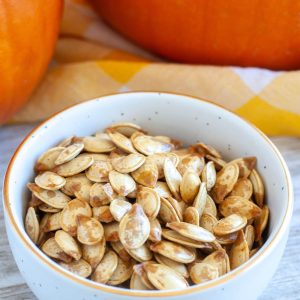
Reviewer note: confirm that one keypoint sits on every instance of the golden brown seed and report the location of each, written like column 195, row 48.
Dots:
column 149, row 145
column 69, row 153
column 69, row 215
column 239, row 253
column 227, row 239
column 240, row 206
column 48, row 209
column 123, row 184
column 220, row 260
column 122, row 272
column 155, row 231
column 174, row 251
column 97, row 145
column 226, row 179
column 93, row 254
column 125, row 128
column 176, row 237
column 191, row 215
column 84, row 192
column 121, row 251
column 74, row 184
column 47, row 160
column 200, row 200
column 106, row 267
column 129, row 163
column 208, row 222
column 205, row 149
column 99, row 170
column 89, row 230
column 141, row 254
column 147, row 174
column 229, row 224
column 32, row 225
column 209, row 175
column 162, row 189
column 246, row 165
column 261, row 222
column 55, row 199
column 180, row 268
column 218, row 162
column 191, row 163
column 250, row 236
column 111, row 232
column 52, row 222
column 139, row 270
column 134, row 228
column 201, row 272
column 50, row 181
column 149, row 200
column 164, row 278
column 119, row 208
column 52, row 249
column 159, row 160
column 103, row 214
column 75, row 166
column 78, row 267
column 101, row 194
column 242, row 188
column 189, row 186
column 167, row 212
column 210, row 207
column 258, row 188
column 173, row 178
column 136, row 282
column 121, row 141
column 191, row 231
column 68, row 244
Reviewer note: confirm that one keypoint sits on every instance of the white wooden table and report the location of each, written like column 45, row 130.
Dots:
column 284, row 285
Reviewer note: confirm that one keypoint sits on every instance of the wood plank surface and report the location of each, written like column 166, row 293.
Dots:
column 284, row 285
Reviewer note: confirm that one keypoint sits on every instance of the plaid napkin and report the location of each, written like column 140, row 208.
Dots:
column 91, row 60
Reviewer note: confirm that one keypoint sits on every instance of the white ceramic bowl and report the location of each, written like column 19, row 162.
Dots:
column 184, row 118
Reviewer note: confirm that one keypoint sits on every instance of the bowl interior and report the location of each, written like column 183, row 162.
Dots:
column 180, row 117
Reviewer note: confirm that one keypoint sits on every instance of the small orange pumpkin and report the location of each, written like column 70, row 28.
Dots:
column 224, row 32
column 28, row 32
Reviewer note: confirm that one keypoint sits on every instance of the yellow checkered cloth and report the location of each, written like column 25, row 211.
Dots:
column 92, row 60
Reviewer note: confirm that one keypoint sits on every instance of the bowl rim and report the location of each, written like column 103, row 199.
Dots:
column 261, row 254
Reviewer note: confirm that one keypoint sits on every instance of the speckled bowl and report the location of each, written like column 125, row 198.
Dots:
column 184, row 118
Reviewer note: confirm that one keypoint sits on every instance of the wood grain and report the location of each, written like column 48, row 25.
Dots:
column 284, row 285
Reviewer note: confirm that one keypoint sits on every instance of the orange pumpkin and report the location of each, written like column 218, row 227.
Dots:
column 28, row 32
column 225, row 32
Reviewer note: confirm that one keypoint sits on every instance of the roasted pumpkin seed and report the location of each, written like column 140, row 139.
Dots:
column 119, row 208
column 164, row 278
column 189, row 186
column 149, row 200
column 240, row 206
column 123, row 184
column 174, row 251
column 93, row 254
column 78, row 267
column 134, row 228
column 226, row 179
column 201, row 272
column 89, row 230
column 230, row 224
column 106, row 267
column 68, row 244
column 50, row 181
column 32, row 225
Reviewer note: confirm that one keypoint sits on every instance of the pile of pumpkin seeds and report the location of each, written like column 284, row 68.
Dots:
column 143, row 212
